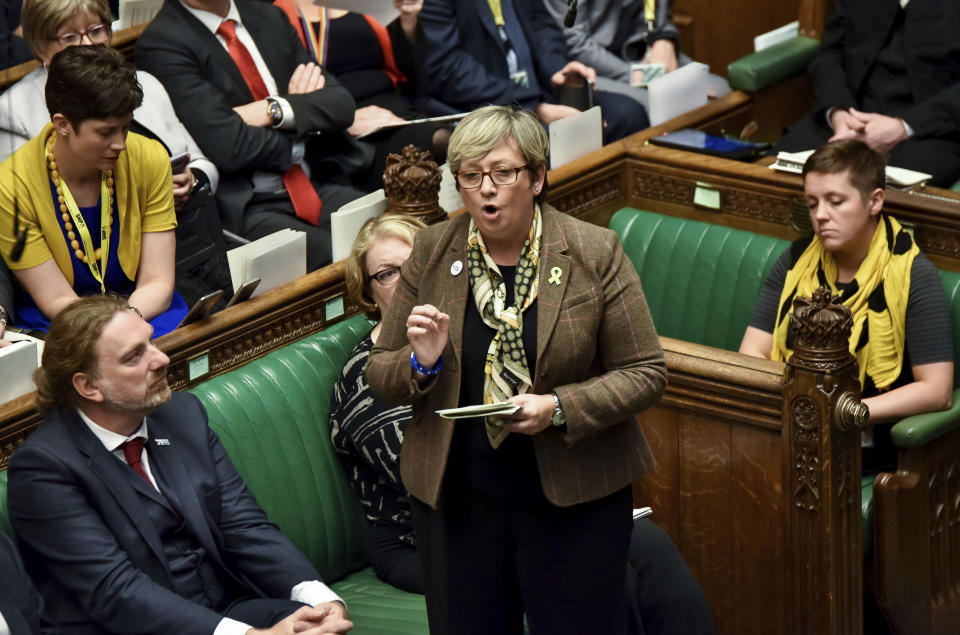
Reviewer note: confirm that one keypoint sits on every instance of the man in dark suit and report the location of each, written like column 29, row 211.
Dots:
column 518, row 56
column 888, row 74
column 21, row 607
column 130, row 516
column 266, row 120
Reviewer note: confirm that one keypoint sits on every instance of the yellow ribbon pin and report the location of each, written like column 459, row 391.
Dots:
column 555, row 274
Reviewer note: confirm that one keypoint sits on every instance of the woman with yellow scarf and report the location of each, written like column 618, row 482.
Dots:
column 901, row 334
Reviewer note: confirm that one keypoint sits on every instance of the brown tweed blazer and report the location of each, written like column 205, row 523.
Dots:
column 596, row 347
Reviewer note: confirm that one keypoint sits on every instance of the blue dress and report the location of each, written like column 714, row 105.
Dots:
column 29, row 316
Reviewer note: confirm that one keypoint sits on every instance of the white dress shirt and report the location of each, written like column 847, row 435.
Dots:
column 310, row 592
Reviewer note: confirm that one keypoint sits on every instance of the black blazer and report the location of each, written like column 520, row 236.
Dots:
column 853, row 39
column 88, row 542
column 20, row 604
column 204, row 85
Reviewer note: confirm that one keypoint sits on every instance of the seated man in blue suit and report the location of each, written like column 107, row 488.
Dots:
column 130, row 516
column 510, row 52
column 21, row 607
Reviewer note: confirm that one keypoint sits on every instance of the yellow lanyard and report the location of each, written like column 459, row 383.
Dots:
column 497, row 12
column 650, row 12
column 80, row 226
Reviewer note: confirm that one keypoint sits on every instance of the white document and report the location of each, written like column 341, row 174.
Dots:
column 573, row 137
column 345, row 223
column 678, row 92
column 276, row 259
column 17, row 363
column 134, row 12
column 449, row 196
column 482, row 410
column 896, row 177
column 776, row 36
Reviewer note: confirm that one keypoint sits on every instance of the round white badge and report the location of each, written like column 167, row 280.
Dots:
column 456, row 268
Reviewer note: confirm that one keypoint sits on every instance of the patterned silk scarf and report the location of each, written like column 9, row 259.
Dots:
column 505, row 372
column 877, row 298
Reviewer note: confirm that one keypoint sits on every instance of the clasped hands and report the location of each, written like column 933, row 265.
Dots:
column 327, row 618
column 427, row 332
column 881, row 133
column 306, row 78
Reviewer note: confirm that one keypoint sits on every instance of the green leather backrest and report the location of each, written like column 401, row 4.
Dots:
column 272, row 416
column 757, row 71
column 4, row 515
column 701, row 280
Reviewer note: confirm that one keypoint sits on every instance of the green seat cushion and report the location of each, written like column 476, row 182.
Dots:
column 701, row 280
column 272, row 416
column 757, row 71
column 955, row 187
column 380, row 609
column 866, row 508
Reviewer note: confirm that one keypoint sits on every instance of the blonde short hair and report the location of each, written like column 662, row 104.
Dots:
column 485, row 127
column 41, row 19
column 357, row 278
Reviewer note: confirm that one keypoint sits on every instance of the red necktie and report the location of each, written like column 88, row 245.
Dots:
column 132, row 451
column 306, row 202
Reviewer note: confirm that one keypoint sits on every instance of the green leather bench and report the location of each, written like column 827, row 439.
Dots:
column 702, row 281
column 272, row 417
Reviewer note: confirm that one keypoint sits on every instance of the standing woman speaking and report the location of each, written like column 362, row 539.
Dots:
column 515, row 301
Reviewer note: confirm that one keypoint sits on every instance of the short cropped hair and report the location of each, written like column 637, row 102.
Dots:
column 358, row 279
column 41, row 19
column 866, row 167
column 92, row 82
column 485, row 127
column 71, row 347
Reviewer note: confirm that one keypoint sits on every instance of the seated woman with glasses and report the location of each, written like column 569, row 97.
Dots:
column 90, row 207
column 50, row 26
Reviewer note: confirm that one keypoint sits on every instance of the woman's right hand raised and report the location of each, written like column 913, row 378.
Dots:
column 427, row 329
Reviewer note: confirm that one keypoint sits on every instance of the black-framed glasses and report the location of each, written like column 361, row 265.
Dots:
column 472, row 179
column 97, row 34
column 387, row 276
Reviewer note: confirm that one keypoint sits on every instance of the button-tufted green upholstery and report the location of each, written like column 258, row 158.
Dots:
column 757, row 71
column 4, row 516
column 272, row 416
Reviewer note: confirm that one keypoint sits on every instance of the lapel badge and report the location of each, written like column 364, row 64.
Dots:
column 555, row 274
column 456, row 268
column 162, row 442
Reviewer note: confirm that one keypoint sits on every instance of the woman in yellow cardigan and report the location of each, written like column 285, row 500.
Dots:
column 86, row 208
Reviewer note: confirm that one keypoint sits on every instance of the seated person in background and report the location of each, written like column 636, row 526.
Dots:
column 888, row 74
column 271, row 119
column 610, row 35
column 901, row 336
column 95, row 203
column 381, row 69
column 510, row 52
column 50, row 26
column 367, row 434
column 13, row 50
column 130, row 516
column 21, row 607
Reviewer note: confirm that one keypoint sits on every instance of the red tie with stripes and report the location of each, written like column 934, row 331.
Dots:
column 306, row 202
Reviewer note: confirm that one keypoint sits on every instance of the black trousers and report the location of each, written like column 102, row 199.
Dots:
column 394, row 562
column 939, row 157
column 488, row 559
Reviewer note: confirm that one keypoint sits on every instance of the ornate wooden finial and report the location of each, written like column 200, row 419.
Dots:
column 821, row 328
column 411, row 182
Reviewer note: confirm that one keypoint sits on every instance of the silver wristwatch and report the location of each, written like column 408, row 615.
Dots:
column 559, row 418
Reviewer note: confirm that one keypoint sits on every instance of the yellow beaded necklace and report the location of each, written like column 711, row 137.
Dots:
column 65, row 202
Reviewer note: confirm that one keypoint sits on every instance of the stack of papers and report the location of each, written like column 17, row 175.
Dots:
column 276, row 259
column 17, row 363
column 345, row 223
column 483, row 410
column 896, row 177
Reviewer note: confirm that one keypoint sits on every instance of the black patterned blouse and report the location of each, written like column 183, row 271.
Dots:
column 367, row 434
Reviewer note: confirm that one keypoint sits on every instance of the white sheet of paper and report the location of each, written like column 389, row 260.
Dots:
column 449, row 196
column 345, row 223
column 276, row 259
column 137, row 11
column 573, row 137
column 17, row 363
column 678, row 92
column 481, row 410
